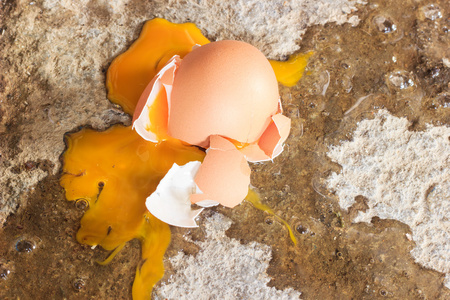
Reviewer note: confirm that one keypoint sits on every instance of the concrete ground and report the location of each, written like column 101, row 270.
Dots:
column 370, row 223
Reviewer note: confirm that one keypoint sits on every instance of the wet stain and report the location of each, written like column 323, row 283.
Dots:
column 38, row 247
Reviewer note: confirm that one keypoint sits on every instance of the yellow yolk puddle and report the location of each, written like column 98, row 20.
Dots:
column 131, row 71
column 116, row 170
column 289, row 72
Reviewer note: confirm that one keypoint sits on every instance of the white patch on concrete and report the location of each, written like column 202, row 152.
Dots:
column 222, row 269
column 405, row 175
column 273, row 26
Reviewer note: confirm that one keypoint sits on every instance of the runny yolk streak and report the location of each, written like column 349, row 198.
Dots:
column 116, row 170
column 253, row 198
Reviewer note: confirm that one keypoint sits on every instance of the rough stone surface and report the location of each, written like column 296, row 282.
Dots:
column 55, row 53
column 405, row 175
column 222, row 264
column 273, row 26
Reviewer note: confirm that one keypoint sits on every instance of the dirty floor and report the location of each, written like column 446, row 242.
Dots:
column 398, row 55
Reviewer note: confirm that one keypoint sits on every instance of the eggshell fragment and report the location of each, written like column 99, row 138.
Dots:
column 170, row 201
column 275, row 135
column 224, row 175
column 161, row 83
column 131, row 71
column 270, row 144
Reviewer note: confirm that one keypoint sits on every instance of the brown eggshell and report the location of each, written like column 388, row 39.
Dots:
column 270, row 144
column 275, row 134
column 225, row 88
column 224, row 175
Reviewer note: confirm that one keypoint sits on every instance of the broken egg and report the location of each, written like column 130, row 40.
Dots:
column 114, row 171
column 223, row 97
column 225, row 88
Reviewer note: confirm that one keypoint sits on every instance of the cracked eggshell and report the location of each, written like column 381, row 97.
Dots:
column 222, row 96
column 170, row 202
column 150, row 125
column 244, row 116
column 225, row 88
column 224, row 175
column 270, row 144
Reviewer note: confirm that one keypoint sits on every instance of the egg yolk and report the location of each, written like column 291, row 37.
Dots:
column 253, row 198
column 114, row 171
column 131, row 71
column 289, row 72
